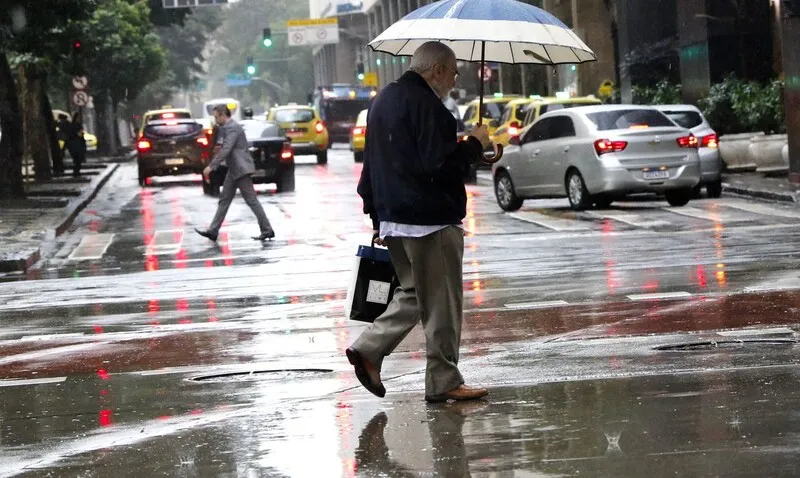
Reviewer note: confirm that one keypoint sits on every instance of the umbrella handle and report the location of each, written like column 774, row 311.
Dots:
column 495, row 157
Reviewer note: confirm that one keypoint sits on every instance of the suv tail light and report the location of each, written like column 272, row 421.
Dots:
column 143, row 145
column 287, row 152
column 710, row 141
column 203, row 141
column 688, row 141
column 358, row 131
column 319, row 127
column 513, row 129
column 603, row 146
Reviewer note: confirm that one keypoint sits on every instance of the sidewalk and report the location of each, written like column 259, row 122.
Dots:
column 760, row 186
column 47, row 212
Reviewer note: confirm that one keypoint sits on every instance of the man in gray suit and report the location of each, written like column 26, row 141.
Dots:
column 240, row 168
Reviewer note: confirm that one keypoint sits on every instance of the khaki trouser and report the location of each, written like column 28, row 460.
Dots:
column 429, row 270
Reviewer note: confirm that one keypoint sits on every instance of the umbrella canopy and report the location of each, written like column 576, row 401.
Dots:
column 509, row 30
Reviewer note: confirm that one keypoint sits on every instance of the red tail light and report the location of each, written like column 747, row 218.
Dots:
column 287, row 152
column 710, row 141
column 358, row 131
column 319, row 127
column 143, row 145
column 203, row 141
column 603, row 146
column 688, row 141
column 513, row 129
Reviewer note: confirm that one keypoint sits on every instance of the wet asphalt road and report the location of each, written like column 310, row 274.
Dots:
column 637, row 340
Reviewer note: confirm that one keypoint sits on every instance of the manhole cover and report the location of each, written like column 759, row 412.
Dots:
column 713, row 345
column 278, row 375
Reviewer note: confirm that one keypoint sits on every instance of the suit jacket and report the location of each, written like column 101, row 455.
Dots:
column 234, row 151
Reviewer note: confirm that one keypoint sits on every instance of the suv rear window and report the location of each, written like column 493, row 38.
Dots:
column 171, row 130
column 687, row 119
column 294, row 116
column 624, row 119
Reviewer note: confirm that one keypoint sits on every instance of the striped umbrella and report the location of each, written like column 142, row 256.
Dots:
column 500, row 31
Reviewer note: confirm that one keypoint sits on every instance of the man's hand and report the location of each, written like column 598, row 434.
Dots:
column 481, row 133
column 207, row 174
column 378, row 240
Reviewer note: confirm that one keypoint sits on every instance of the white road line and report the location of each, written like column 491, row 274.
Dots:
column 536, row 305
column 661, row 295
column 763, row 209
column 632, row 219
column 91, row 247
column 715, row 215
column 30, row 381
column 749, row 332
column 549, row 222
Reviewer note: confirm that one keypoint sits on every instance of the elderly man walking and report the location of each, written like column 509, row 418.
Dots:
column 412, row 185
column 240, row 168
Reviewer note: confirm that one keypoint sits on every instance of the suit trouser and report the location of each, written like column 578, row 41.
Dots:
column 429, row 270
column 229, row 187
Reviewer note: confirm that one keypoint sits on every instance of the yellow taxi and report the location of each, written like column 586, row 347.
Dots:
column 304, row 127
column 358, row 137
column 493, row 109
column 512, row 120
column 163, row 114
column 542, row 105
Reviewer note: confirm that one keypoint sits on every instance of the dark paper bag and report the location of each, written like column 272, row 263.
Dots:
column 372, row 285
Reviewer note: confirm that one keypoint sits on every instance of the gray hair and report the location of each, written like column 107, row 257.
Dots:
column 430, row 54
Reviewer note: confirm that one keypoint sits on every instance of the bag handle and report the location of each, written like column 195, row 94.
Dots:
column 374, row 238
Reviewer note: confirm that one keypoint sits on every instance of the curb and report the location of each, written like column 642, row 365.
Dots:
column 22, row 262
column 760, row 194
column 85, row 198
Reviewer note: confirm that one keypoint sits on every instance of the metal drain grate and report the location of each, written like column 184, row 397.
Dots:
column 718, row 344
column 274, row 375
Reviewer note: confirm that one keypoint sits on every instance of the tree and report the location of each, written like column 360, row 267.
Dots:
column 32, row 34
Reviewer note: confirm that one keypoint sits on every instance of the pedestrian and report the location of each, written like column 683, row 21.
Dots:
column 234, row 153
column 76, row 143
column 413, row 189
column 62, row 131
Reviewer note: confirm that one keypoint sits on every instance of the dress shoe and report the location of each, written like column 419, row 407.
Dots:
column 208, row 235
column 462, row 392
column 366, row 373
column 265, row 235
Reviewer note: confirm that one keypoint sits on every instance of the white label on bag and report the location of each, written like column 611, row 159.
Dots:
column 378, row 292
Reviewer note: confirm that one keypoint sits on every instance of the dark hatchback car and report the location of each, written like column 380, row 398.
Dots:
column 170, row 147
column 272, row 155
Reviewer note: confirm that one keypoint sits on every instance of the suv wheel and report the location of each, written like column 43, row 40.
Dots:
column 285, row 183
column 579, row 197
column 714, row 189
column 507, row 198
column 678, row 197
column 322, row 157
column 358, row 156
column 142, row 177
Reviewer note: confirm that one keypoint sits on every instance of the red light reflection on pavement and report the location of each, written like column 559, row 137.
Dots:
column 702, row 280
column 97, row 329
column 103, row 374
column 226, row 248
column 104, row 418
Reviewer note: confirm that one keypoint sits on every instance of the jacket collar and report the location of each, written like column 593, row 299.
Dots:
column 416, row 78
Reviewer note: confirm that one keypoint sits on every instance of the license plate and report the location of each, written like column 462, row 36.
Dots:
column 263, row 173
column 295, row 134
column 660, row 174
column 173, row 162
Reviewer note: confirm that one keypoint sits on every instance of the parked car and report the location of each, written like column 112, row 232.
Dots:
column 170, row 147
column 690, row 117
column 358, row 137
column 597, row 154
column 272, row 154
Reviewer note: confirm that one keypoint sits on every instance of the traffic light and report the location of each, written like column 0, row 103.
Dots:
column 360, row 70
column 267, row 37
column 251, row 67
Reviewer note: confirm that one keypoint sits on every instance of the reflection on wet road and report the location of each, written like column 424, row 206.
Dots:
column 106, row 349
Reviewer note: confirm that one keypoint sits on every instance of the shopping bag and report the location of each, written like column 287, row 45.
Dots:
column 372, row 285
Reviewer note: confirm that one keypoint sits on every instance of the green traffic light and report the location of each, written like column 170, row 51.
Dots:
column 361, row 76
column 251, row 70
column 267, row 42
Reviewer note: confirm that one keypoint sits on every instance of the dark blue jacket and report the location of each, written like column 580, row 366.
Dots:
column 414, row 165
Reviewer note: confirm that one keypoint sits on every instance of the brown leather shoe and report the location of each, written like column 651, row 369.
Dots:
column 366, row 373
column 462, row 392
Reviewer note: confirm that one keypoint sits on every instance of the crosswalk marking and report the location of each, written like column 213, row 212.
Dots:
column 536, row 305
column 717, row 215
column 15, row 382
column 91, row 247
column 764, row 209
column 660, row 295
column 554, row 223
column 631, row 219
column 166, row 242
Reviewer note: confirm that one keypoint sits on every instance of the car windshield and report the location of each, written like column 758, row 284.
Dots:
column 687, row 119
column 299, row 115
column 493, row 110
column 168, row 130
column 624, row 119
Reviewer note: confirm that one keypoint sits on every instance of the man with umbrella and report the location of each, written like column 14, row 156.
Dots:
column 412, row 185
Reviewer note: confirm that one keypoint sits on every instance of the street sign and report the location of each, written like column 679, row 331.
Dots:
column 191, row 3
column 371, row 79
column 485, row 74
column 80, row 98
column 313, row 31
column 80, row 82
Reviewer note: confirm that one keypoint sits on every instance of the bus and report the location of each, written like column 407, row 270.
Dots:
column 233, row 105
column 338, row 106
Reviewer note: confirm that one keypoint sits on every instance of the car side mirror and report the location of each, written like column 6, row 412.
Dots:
column 515, row 140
